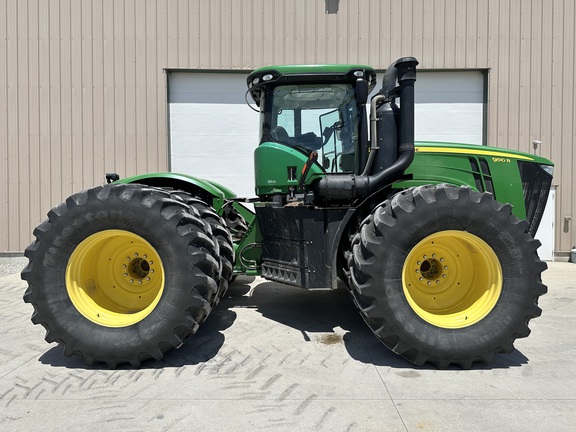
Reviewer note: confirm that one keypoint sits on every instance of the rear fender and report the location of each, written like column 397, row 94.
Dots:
column 212, row 193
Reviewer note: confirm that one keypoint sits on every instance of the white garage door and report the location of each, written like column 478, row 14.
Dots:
column 449, row 106
column 213, row 133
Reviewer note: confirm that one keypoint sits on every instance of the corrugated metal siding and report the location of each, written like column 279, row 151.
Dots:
column 82, row 87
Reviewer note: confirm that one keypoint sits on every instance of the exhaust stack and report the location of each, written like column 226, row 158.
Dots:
column 398, row 82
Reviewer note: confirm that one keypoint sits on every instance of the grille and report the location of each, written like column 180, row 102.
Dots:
column 536, row 187
column 482, row 175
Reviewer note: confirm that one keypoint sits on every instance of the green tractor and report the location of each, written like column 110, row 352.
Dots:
column 434, row 241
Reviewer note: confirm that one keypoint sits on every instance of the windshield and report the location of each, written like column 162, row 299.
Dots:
column 322, row 118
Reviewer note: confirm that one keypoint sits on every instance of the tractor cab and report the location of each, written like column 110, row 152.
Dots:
column 314, row 145
column 312, row 117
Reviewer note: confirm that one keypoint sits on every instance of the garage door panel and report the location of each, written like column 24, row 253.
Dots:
column 213, row 119
column 227, row 168
column 209, row 98
column 450, row 87
column 204, row 166
column 440, row 98
column 195, row 87
column 459, row 122
column 215, row 148
column 223, row 158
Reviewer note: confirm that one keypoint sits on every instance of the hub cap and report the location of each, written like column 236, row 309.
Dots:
column 452, row 279
column 115, row 278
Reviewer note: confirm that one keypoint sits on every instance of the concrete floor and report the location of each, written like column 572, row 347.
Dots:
column 273, row 357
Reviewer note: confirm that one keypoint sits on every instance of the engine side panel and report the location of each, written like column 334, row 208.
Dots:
column 485, row 169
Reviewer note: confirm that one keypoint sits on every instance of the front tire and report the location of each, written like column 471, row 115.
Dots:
column 446, row 275
column 120, row 273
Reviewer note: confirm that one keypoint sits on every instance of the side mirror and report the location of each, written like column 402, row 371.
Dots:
column 361, row 92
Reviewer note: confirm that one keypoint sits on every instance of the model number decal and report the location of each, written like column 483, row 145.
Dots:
column 501, row 159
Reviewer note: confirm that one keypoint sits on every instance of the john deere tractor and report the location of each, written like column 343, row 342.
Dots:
column 434, row 241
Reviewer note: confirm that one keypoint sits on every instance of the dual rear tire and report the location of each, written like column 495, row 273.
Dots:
column 121, row 273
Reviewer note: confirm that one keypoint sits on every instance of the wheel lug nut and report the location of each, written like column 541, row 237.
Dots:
column 125, row 274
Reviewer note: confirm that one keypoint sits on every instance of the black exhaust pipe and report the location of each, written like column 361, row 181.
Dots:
column 350, row 187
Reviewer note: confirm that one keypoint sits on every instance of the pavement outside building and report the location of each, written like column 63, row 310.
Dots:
column 277, row 358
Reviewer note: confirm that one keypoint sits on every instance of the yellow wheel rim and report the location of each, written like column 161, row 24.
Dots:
column 115, row 278
column 452, row 279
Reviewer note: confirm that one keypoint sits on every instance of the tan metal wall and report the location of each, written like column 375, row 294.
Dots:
column 83, row 88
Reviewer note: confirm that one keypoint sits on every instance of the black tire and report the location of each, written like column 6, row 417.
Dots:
column 428, row 245
column 120, row 273
column 345, row 257
column 221, row 236
column 235, row 222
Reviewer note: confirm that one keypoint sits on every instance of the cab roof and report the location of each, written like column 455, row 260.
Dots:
column 271, row 76
column 314, row 69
